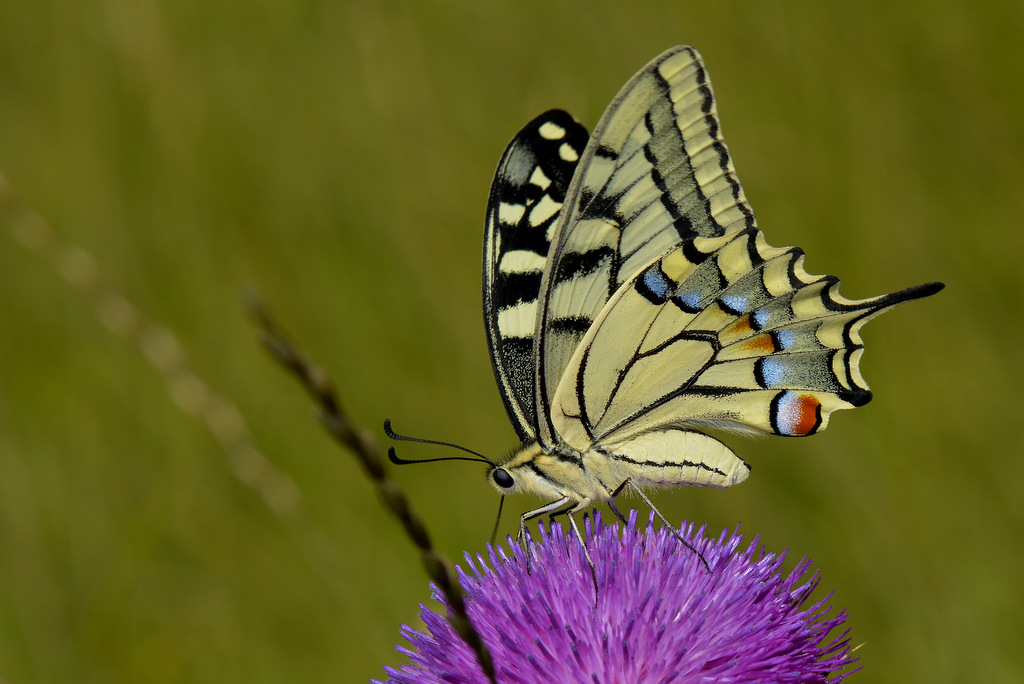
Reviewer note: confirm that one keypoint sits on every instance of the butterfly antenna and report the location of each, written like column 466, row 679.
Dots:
column 403, row 438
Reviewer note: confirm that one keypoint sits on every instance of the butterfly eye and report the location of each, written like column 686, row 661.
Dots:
column 502, row 478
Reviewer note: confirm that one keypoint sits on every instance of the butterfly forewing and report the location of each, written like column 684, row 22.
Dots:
column 655, row 174
column 526, row 197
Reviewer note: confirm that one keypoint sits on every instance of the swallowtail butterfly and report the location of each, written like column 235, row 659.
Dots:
column 631, row 302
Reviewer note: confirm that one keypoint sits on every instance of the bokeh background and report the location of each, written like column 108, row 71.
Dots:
column 337, row 156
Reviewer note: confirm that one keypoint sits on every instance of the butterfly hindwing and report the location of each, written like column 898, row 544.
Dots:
column 655, row 174
column 668, row 456
column 526, row 198
column 724, row 332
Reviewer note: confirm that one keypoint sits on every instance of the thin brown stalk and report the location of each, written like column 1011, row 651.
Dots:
column 370, row 455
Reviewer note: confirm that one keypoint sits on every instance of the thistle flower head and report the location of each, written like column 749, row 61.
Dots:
column 659, row 616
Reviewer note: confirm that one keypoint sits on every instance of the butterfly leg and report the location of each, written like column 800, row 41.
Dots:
column 583, row 543
column 611, row 501
column 568, row 507
column 552, row 508
column 569, row 512
column 667, row 524
column 565, row 510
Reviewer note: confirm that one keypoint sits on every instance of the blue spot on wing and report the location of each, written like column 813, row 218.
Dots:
column 736, row 304
column 761, row 318
column 690, row 301
column 773, row 371
column 786, row 338
column 655, row 285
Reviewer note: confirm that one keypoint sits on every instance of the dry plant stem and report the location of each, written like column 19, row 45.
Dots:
column 371, row 456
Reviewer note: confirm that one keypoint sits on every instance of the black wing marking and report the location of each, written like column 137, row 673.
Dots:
column 526, row 200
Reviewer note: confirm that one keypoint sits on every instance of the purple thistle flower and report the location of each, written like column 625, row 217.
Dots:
column 660, row 616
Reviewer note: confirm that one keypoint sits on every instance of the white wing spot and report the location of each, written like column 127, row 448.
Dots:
column 519, row 320
column 544, row 209
column 510, row 214
column 566, row 152
column 551, row 131
column 540, row 179
column 521, row 261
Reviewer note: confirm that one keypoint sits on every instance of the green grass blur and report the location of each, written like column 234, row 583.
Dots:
column 338, row 157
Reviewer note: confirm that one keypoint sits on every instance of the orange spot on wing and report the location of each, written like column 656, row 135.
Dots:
column 807, row 420
column 742, row 326
column 762, row 344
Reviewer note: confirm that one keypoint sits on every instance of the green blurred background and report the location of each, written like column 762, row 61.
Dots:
column 338, row 156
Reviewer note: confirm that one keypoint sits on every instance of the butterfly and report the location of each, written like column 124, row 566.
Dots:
column 631, row 303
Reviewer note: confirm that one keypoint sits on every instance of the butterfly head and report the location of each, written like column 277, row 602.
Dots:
column 532, row 471
column 502, row 480
column 556, row 476
column 517, row 472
